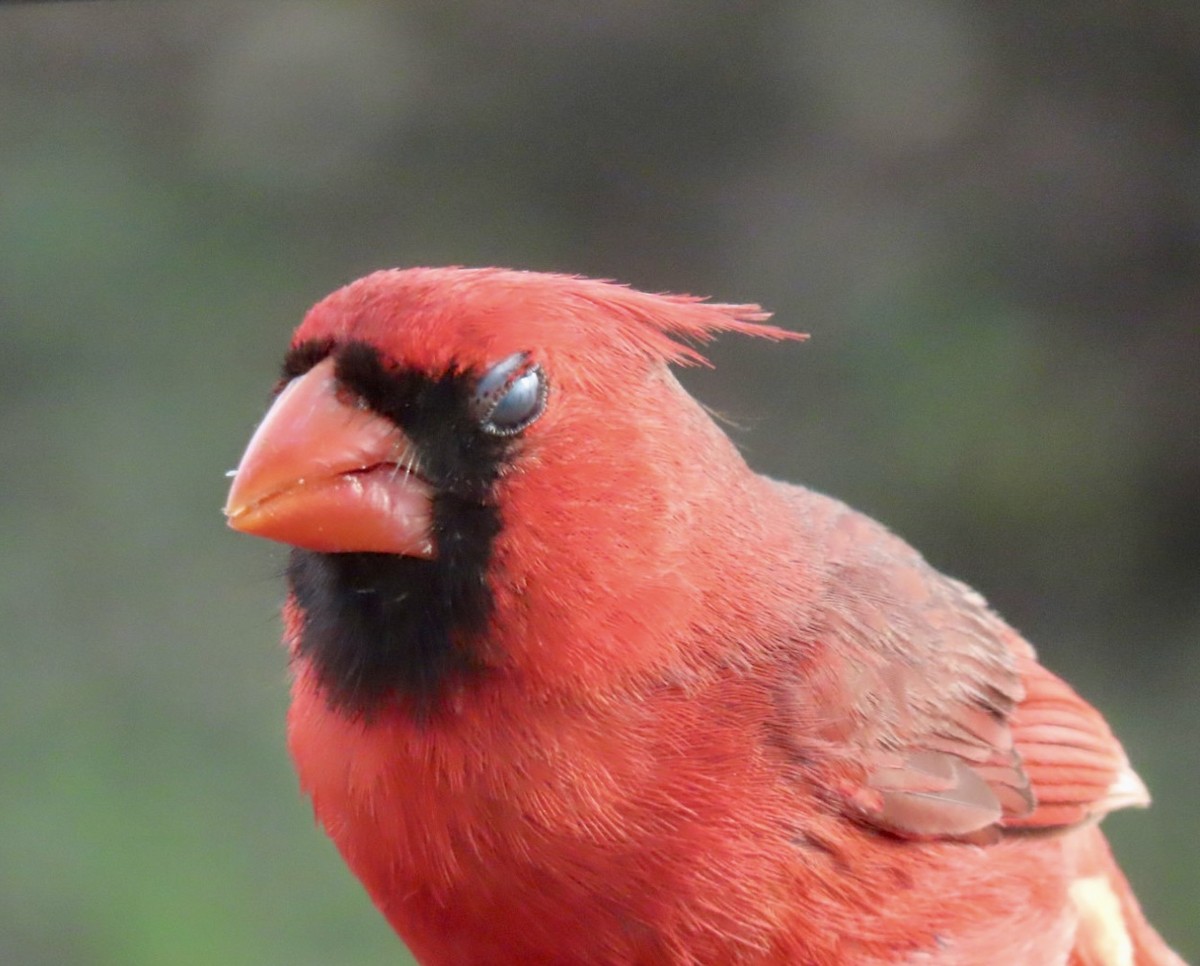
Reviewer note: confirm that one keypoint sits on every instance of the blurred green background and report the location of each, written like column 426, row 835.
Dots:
column 988, row 216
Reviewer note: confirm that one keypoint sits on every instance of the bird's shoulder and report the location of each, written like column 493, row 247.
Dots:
column 932, row 716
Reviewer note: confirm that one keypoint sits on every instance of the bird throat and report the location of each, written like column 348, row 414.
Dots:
column 380, row 628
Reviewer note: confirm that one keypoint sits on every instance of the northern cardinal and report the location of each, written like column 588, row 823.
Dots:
column 572, row 684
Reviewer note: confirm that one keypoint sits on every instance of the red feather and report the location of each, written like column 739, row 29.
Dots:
column 709, row 717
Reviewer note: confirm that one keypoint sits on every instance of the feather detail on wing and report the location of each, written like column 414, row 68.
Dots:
column 1076, row 767
column 935, row 716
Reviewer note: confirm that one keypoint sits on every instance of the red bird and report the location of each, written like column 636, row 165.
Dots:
column 573, row 685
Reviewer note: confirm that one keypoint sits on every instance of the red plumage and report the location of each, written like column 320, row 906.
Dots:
column 709, row 717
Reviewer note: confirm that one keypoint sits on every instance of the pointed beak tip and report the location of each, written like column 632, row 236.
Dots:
column 316, row 475
column 237, row 515
column 236, row 503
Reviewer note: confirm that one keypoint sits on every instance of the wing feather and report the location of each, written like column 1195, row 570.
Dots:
column 934, row 717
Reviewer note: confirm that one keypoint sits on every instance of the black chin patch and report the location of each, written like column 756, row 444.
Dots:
column 382, row 626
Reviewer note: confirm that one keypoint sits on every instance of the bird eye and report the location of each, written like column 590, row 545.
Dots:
column 510, row 395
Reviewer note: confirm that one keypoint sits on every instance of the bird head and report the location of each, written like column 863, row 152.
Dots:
column 463, row 457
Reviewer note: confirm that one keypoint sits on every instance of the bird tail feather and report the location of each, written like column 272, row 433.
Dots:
column 1112, row 930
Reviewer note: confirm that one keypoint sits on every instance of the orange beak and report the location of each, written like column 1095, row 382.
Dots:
column 324, row 473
